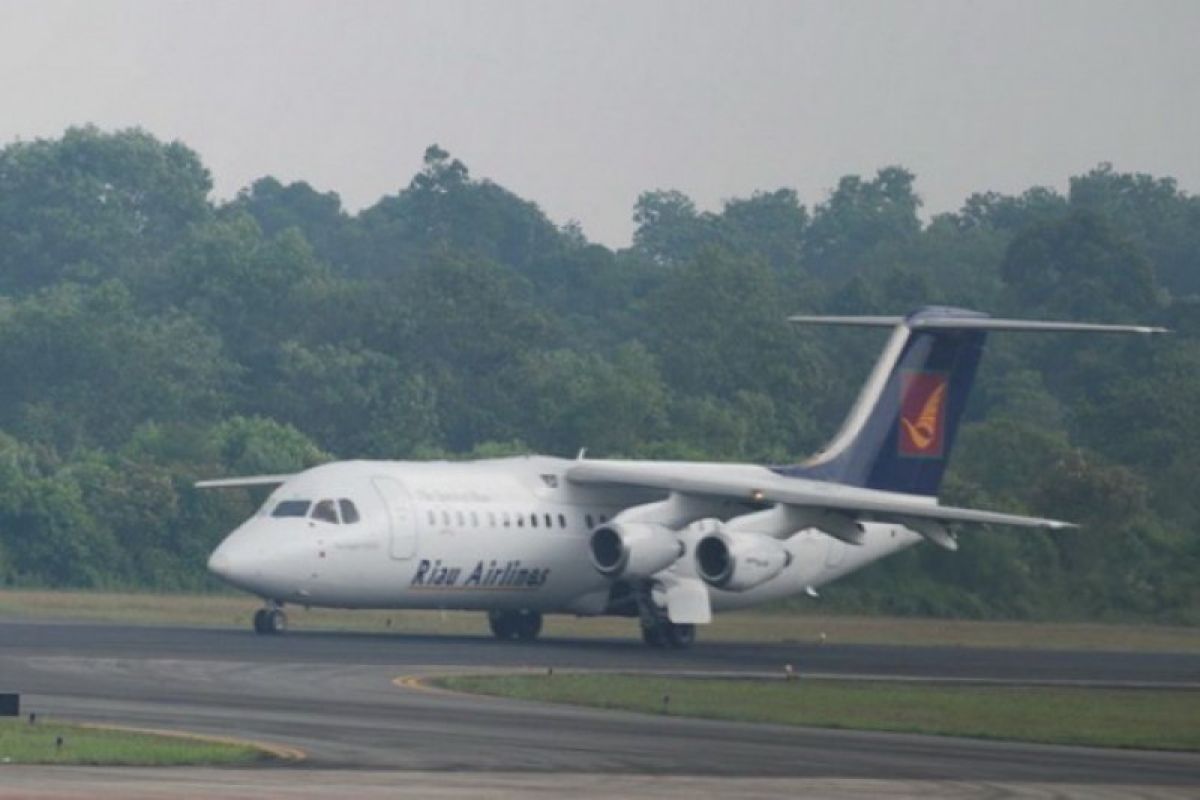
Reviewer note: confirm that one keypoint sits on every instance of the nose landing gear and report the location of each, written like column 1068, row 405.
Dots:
column 270, row 620
column 524, row 624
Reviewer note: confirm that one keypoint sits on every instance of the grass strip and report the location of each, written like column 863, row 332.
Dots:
column 1133, row 718
column 23, row 743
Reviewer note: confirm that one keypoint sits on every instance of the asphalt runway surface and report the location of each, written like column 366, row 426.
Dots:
column 335, row 696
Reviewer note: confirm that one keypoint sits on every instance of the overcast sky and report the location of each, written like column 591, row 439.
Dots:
column 580, row 106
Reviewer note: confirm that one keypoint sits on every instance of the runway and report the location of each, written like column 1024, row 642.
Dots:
column 332, row 695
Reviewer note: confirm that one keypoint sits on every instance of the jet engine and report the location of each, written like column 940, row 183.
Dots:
column 634, row 549
column 740, row 560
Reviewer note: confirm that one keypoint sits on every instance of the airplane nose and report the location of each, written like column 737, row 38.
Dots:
column 260, row 560
column 238, row 559
column 219, row 563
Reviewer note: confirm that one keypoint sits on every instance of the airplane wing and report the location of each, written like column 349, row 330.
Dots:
column 759, row 485
column 237, row 483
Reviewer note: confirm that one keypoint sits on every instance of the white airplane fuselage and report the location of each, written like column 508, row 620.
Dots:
column 504, row 533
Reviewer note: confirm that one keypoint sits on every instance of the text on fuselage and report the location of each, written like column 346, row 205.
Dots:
column 489, row 575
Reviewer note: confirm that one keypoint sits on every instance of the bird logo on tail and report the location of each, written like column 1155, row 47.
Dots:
column 923, row 414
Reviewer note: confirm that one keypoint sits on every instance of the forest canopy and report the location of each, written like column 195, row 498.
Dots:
column 151, row 336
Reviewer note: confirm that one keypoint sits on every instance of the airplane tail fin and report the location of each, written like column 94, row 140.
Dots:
column 901, row 429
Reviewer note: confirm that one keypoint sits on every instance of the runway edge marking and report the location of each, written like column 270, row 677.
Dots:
column 424, row 682
column 281, row 751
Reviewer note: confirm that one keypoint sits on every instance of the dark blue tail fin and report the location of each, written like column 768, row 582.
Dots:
column 899, row 434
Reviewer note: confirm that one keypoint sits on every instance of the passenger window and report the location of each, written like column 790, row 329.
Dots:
column 325, row 511
column 562, row 521
column 603, row 519
column 507, row 521
column 491, row 519
column 446, row 518
column 588, row 519
column 349, row 511
column 291, row 508
column 474, row 519
column 459, row 516
column 533, row 520
column 432, row 518
column 520, row 520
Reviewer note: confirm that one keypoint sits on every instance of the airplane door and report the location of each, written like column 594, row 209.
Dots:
column 400, row 517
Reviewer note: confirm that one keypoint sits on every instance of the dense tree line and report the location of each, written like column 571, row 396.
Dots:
column 150, row 337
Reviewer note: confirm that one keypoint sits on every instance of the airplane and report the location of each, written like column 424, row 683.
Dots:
column 668, row 543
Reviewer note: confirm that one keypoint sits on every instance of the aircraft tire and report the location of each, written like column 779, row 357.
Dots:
column 653, row 635
column 274, row 621
column 503, row 624
column 527, row 625
column 679, row 636
column 260, row 623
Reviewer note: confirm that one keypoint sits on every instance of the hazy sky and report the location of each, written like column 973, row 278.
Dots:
column 580, row 106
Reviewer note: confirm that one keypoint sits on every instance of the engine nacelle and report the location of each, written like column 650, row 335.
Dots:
column 739, row 560
column 634, row 549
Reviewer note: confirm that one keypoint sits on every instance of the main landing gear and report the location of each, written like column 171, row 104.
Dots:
column 664, row 633
column 657, row 629
column 270, row 620
column 524, row 624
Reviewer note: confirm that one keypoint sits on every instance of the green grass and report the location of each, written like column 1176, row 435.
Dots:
column 235, row 611
column 22, row 743
column 1149, row 719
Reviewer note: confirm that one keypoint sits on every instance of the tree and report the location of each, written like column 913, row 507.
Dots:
column 572, row 400
column 443, row 210
column 718, row 327
column 355, row 404
column 770, row 225
column 318, row 216
column 669, row 230
column 84, row 368
column 1160, row 220
column 1079, row 266
column 859, row 216
column 92, row 205
column 1011, row 214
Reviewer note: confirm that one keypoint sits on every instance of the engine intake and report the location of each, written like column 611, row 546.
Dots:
column 737, row 560
column 634, row 549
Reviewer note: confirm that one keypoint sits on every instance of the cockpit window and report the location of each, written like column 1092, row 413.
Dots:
column 349, row 512
column 291, row 508
column 325, row 511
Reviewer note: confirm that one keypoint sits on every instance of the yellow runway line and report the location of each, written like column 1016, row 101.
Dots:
column 280, row 751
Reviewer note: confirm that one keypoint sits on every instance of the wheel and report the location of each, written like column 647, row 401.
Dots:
column 276, row 620
column 527, row 624
column 270, row 621
column 503, row 624
column 653, row 635
column 679, row 636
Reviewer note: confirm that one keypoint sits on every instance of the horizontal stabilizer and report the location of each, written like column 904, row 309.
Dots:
column 965, row 323
column 238, row 483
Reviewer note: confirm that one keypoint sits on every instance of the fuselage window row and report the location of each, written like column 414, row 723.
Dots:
column 493, row 520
